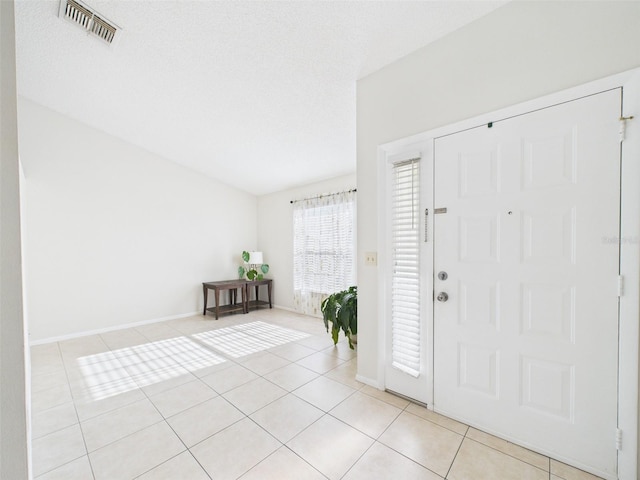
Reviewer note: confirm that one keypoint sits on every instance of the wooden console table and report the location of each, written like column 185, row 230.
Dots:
column 257, row 302
column 232, row 287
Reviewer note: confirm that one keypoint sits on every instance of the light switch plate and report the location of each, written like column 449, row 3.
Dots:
column 371, row 258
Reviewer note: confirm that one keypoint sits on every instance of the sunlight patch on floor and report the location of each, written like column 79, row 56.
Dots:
column 118, row 371
column 247, row 338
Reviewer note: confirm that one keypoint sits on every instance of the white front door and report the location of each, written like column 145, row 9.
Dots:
column 526, row 343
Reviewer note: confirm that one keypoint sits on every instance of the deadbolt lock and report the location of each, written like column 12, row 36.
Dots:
column 442, row 297
column 442, row 275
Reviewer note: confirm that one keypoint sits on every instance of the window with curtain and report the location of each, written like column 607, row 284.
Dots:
column 323, row 248
column 405, row 281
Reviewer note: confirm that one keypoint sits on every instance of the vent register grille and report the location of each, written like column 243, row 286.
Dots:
column 93, row 23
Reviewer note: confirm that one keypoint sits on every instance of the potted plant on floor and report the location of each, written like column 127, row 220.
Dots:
column 341, row 309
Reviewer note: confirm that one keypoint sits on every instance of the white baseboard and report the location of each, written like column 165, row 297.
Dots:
column 132, row 325
column 111, row 329
column 288, row 309
column 369, row 381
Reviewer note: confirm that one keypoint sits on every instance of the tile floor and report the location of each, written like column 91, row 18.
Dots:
column 258, row 396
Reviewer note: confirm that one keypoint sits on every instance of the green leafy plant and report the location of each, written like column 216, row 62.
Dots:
column 251, row 271
column 341, row 309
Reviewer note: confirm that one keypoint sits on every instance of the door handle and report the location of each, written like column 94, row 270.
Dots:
column 442, row 297
column 426, row 221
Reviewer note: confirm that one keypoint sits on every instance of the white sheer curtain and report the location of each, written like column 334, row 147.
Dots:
column 323, row 248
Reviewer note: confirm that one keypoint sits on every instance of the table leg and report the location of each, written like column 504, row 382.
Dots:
column 245, row 301
column 269, row 285
column 217, row 292
column 205, row 291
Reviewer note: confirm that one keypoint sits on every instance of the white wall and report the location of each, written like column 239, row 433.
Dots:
column 115, row 234
column 275, row 231
column 13, row 397
column 521, row 51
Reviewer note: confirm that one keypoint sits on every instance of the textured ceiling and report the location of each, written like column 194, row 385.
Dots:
column 260, row 95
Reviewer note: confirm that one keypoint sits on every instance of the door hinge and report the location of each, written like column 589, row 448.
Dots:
column 623, row 127
column 618, row 439
column 620, row 285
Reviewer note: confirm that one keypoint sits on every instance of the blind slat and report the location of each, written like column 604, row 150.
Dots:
column 405, row 284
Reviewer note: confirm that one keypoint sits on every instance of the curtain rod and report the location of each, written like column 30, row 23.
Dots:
column 322, row 196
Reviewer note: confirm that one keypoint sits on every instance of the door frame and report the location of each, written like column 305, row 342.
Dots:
column 629, row 326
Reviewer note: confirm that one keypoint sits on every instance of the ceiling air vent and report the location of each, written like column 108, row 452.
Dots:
column 94, row 23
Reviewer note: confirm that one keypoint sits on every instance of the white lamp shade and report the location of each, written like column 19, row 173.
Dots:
column 255, row 258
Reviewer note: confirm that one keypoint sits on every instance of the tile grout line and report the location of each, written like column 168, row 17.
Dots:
column 148, row 398
column 165, row 420
column 376, row 440
column 68, row 426
column 404, row 410
column 305, row 461
column 246, row 416
column 453, row 460
column 132, row 433
column 75, row 398
column 325, row 413
column 84, row 441
column 508, row 454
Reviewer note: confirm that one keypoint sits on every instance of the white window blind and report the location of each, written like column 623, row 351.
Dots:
column 323, row 248
column 405, row 282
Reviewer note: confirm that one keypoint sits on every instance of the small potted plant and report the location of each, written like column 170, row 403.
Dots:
column 255, row 269
column 341, row 309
